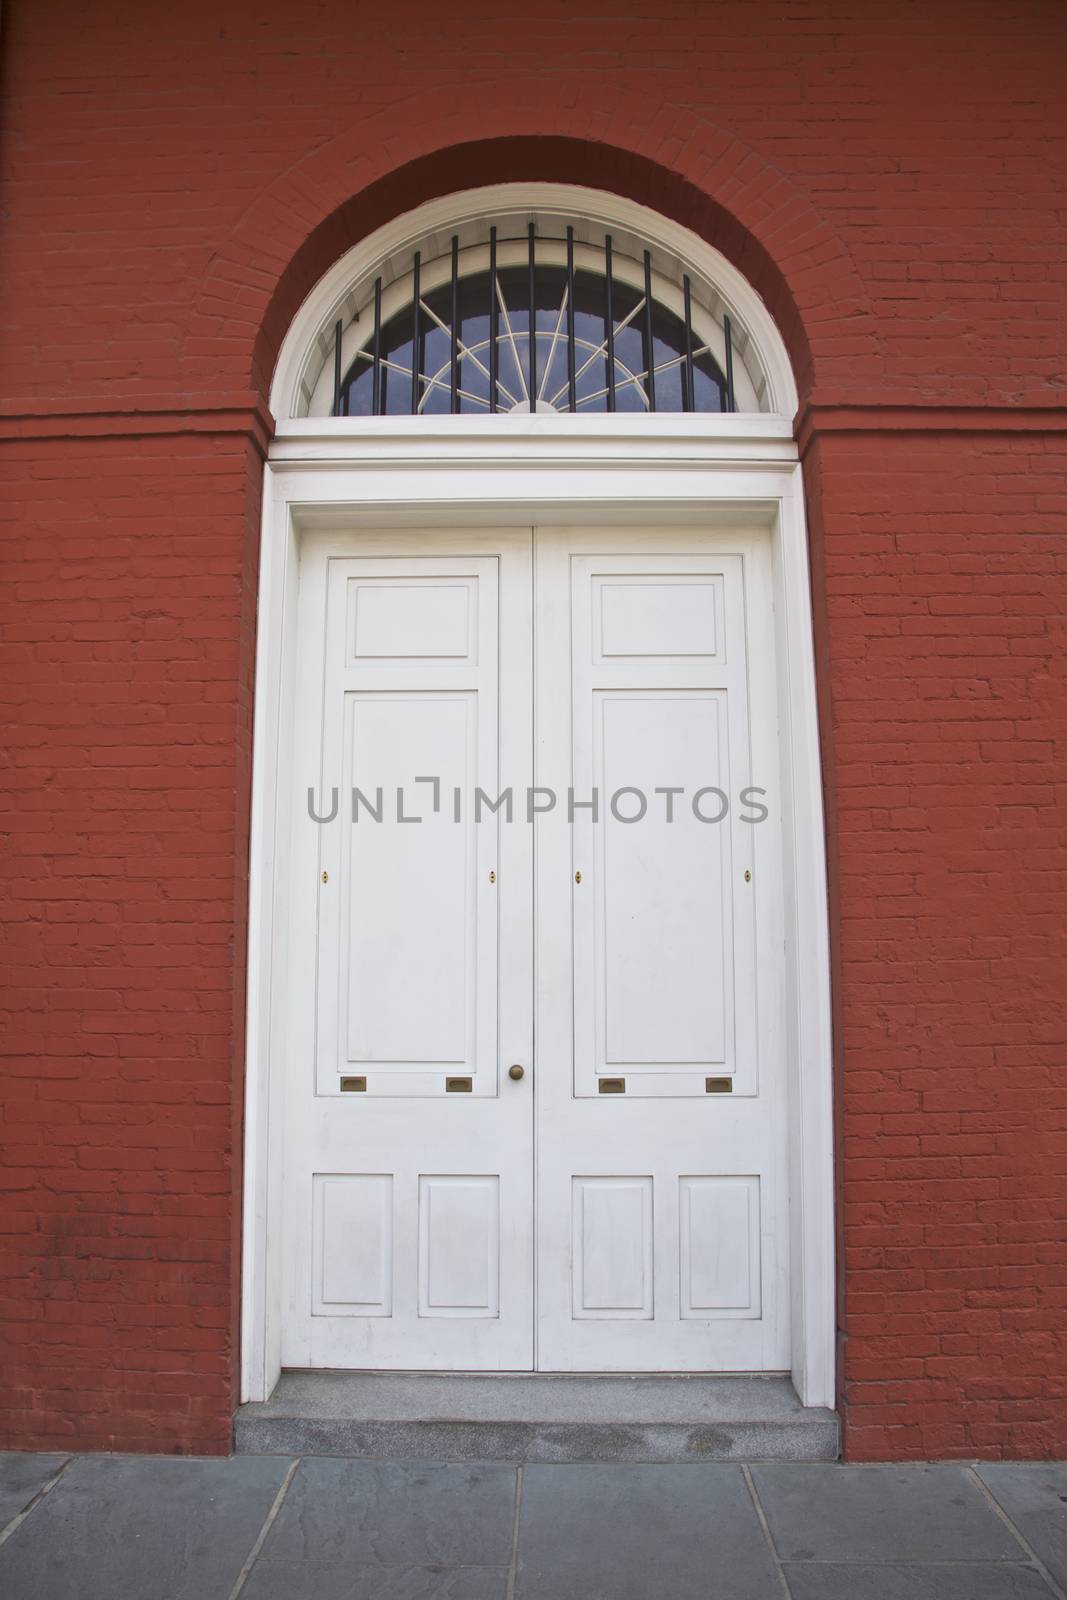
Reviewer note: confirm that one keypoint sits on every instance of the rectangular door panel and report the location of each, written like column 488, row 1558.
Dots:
column 661, row 1191
column 459, row 1246
column 664, row 987
column 408, row 970
column 718, row 1221
column 613, row 1266
column 407, row 909
column 659, row 892
column 353, row 1244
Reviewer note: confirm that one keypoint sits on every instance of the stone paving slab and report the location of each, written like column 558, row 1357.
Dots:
column 634, row 1532
column 396, row 1513
column 141, row 1528
column 912, row 1513
column 858, row 1581
column 318, row 1580
column 270, row 1528
column 24, row 1474
column 1034, row 1496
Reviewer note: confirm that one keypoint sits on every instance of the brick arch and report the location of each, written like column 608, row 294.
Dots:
column 675, row 162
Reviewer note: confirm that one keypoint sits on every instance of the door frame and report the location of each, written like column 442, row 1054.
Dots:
column 722, row 472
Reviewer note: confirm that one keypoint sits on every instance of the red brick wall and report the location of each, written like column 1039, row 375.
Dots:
column 942, row 567
column 173, row 182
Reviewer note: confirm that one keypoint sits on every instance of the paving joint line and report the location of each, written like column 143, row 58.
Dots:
column 1056, row 1588
column 17, row 1520
column 761, row 1516
column 995, row 1563
column 268, row 1522
column 513, row 1569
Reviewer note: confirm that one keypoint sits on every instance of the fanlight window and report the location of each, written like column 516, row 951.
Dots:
column 531, row 318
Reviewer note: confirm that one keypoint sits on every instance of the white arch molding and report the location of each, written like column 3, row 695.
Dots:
column 719, row 471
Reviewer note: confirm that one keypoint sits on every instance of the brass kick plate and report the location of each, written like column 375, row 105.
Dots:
column 612, row 1086
column 718, row 1086
column 353, row 1085
column 459, row 1085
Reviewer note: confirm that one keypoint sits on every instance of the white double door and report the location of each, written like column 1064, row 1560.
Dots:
column 534, row 1093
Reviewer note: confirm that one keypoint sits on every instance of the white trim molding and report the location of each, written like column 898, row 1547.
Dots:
column 376, row 473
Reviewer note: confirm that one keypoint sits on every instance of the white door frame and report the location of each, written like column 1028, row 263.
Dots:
column 722, row 472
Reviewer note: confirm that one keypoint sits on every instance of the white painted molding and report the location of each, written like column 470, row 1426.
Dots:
column 462, row 441
column 419, row 482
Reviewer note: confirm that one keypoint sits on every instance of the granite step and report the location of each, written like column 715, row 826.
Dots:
column 537, row 1418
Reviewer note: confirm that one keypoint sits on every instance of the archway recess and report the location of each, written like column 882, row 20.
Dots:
column 715, row 475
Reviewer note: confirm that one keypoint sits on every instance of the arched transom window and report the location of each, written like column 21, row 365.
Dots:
column 532, row 313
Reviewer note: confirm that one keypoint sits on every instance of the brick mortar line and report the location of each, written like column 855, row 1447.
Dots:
column 46, row 1489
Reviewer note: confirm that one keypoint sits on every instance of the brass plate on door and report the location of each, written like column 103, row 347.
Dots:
column 718, row 1086
column 353, row 1085
column 459, row 1085
column 612, row 1086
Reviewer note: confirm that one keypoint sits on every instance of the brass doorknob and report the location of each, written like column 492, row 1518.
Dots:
column 516, row 1072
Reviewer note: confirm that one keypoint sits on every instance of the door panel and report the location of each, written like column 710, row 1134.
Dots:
column 409, row 1216
column 408, row 915
column 661, row 1211
column 659, row 728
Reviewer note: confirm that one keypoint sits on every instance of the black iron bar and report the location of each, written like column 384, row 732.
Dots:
column 533, row 322
column 572, row 394
column 689, row 387
column 650, row 358
column 730, row 406
column 455, row 323
column 494, row 323
column 376, row 380
column 416, row 274
column 609, row 294
column 337, row 370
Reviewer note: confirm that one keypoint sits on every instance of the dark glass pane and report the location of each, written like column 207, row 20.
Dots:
column 590, row 334
column 708, row 384
column 668, row 342
column 360, row 389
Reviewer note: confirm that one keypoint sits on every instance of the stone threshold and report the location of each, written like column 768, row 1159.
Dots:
column 541, row 1417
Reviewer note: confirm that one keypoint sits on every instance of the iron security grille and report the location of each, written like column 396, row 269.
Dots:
column 520, row 325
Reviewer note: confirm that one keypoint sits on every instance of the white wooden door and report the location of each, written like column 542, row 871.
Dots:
column 654, row 952
column 408, row 1190
column 661, row 1168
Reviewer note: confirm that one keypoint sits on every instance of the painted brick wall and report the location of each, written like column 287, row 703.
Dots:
column 888, row 173
column 943, row 567
column 125, row 695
